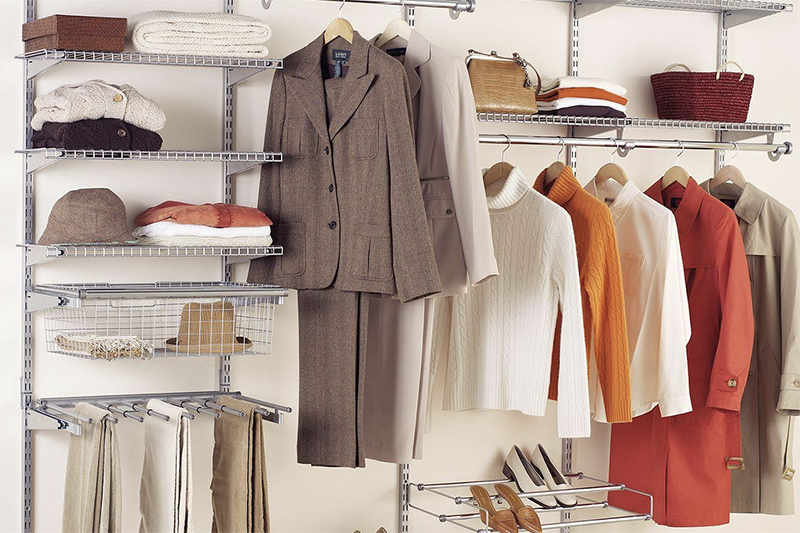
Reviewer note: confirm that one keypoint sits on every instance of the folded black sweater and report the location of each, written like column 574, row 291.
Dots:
column 101, row 134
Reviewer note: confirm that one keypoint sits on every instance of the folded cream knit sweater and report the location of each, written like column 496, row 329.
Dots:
column 499, row 336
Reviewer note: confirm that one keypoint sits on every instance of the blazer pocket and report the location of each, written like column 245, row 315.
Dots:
column 440, row 208
column 632, row 269
column 372, row 253
column 300, row 139
column 293, row 238
column 362, row 138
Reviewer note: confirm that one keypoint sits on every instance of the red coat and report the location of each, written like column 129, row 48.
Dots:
column 681, row 460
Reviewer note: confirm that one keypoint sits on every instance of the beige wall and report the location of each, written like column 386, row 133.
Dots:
column 621, row 44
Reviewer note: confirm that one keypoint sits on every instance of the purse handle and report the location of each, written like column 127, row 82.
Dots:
column 672, row 66
column 725, row 64
column 516, row 58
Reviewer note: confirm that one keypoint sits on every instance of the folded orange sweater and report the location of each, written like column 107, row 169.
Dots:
column 582, row 92
column 602, row 293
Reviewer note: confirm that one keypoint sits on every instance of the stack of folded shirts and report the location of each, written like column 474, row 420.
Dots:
column 588, row 97
column 201, row 34
column 95, row 115
column 180, row 224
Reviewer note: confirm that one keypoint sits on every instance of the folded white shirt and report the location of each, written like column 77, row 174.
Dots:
column 183, row 241
column 172, row 229
column 562, row 103
column 577, row 82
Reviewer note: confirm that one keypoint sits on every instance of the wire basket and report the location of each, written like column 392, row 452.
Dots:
column 140, row 321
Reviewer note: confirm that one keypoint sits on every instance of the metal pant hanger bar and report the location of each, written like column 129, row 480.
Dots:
column 456, row 7
column 134, row 407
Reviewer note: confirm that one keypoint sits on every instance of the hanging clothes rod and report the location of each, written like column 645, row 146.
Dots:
column 626, row 145
column 456, row 6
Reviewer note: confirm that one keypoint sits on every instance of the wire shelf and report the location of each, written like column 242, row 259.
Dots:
column 140, row 321
column 603, row 122
column 711, row 5
column 152, row 59
column 471, row 521
column 163, row 155
column 39, row 253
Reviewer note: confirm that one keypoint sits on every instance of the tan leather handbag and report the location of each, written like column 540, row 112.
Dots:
column 502, row 84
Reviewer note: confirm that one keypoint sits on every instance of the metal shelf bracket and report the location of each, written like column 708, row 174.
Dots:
column 736, row 136
column 37, row 160
column 36, row 255
column 36, row 301
column 236, row 167
column 731, row 19
column 584, row 8
column 39, row 419
column 239, row 74
column 38, row 66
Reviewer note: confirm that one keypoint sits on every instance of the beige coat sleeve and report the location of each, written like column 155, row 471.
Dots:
column 789, row 398
column 460, row 127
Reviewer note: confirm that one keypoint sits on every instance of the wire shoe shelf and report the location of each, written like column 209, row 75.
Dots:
column 140, row 321
column 471, row 520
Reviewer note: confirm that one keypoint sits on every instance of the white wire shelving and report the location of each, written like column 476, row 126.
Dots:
column 37, row 254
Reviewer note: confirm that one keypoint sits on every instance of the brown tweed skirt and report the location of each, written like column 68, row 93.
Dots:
column 333, row 347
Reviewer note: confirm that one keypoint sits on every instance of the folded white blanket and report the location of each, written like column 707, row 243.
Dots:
column 181, row 241
column 203, row 34
column 577, row 82
column 561, row 103
column 172, row 229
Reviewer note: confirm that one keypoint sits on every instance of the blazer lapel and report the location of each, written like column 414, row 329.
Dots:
column 418, row 53
column 304, row 82
column 357, row 83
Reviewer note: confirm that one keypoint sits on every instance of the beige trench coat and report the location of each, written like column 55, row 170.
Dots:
column 772, row 395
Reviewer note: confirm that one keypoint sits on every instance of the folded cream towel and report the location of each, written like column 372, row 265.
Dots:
column 97, row 99
column 575, row 82
column 93, row 487
column 181, row 241
column 562, row 103
column 165, row 493
column 172, row 229
column 202, row 34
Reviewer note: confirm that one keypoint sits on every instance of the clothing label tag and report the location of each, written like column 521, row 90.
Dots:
column 341, row 55
column 394, row 52
column 609, row 201
column 675, row 202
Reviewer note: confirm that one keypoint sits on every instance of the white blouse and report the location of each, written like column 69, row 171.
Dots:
column 499, row 336
column 656, row 305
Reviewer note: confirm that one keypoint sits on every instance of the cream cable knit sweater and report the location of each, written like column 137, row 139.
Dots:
column 499, row 336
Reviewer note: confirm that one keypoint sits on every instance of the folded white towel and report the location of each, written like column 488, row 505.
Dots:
column 172, row 229
column 561, row 103
column 577, row 82
column 181, row 241
column 97, row 99
column 202, row 34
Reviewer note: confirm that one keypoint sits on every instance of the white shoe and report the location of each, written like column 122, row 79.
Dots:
column 553, row 478
column 525, row 475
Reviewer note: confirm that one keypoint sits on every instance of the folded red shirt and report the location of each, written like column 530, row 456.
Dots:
column 212, row 215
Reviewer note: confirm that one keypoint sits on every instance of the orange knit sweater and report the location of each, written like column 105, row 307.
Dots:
column 602, row 292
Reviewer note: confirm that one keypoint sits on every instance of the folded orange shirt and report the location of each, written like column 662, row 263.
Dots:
column 212, row 215
column 582, row 92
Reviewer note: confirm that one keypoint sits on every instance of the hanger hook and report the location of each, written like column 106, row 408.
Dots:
column 616, row 147
column 503, row 153
column 680, row 153
column 402, row 8
column 735, row 145
column 341, row 6
column 563, row 145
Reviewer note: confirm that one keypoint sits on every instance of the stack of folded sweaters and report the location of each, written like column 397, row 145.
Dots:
column 180, row 224
column 588, row 97
column 200, row 34
column 95, row 115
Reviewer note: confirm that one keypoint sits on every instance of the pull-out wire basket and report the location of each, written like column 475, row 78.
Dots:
column 140, row 321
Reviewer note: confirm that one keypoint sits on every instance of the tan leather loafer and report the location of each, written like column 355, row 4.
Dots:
column 502, row 520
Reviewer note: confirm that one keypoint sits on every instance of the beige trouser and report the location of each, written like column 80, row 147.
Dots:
column 397, row 375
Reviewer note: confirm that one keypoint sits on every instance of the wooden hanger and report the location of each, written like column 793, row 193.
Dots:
column 675, row 174
column 555, row 169
column 611, row 171
column 396, row 28
column 729, row 173
column 339, row 27
column 499, row 171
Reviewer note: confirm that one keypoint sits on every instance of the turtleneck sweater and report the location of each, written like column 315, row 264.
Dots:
column 602, row 294
column 499, row 337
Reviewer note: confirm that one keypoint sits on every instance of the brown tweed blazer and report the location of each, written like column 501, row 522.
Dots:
column 346, row 201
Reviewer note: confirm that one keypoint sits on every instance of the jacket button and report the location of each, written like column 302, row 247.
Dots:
column 327, row 150
column 332, row 224
column 449, row 212
column 732, row 383
column 121, row 132
column 797, row 383
column 330, row 187
column 118, row 98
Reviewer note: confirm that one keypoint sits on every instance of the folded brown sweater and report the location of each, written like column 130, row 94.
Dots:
column 582, row 92
column 101, row 134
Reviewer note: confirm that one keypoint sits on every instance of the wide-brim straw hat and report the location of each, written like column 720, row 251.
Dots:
column 208, row 328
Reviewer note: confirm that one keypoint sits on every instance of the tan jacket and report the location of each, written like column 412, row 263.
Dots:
column 772, row 396
column 447, row 158
column 346, row 200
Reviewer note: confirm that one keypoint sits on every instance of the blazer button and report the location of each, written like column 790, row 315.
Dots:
column 330, row 187
column 121, row 132
column 797, row 383
column 117, row 98
column 732, row 383
column 332, row 224
column 449, row 212
column 327, row 150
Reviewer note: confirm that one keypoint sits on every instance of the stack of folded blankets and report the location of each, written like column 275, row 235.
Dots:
column 200, row 34
column 95, row 115
column 587, row 97
column 180, row 224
